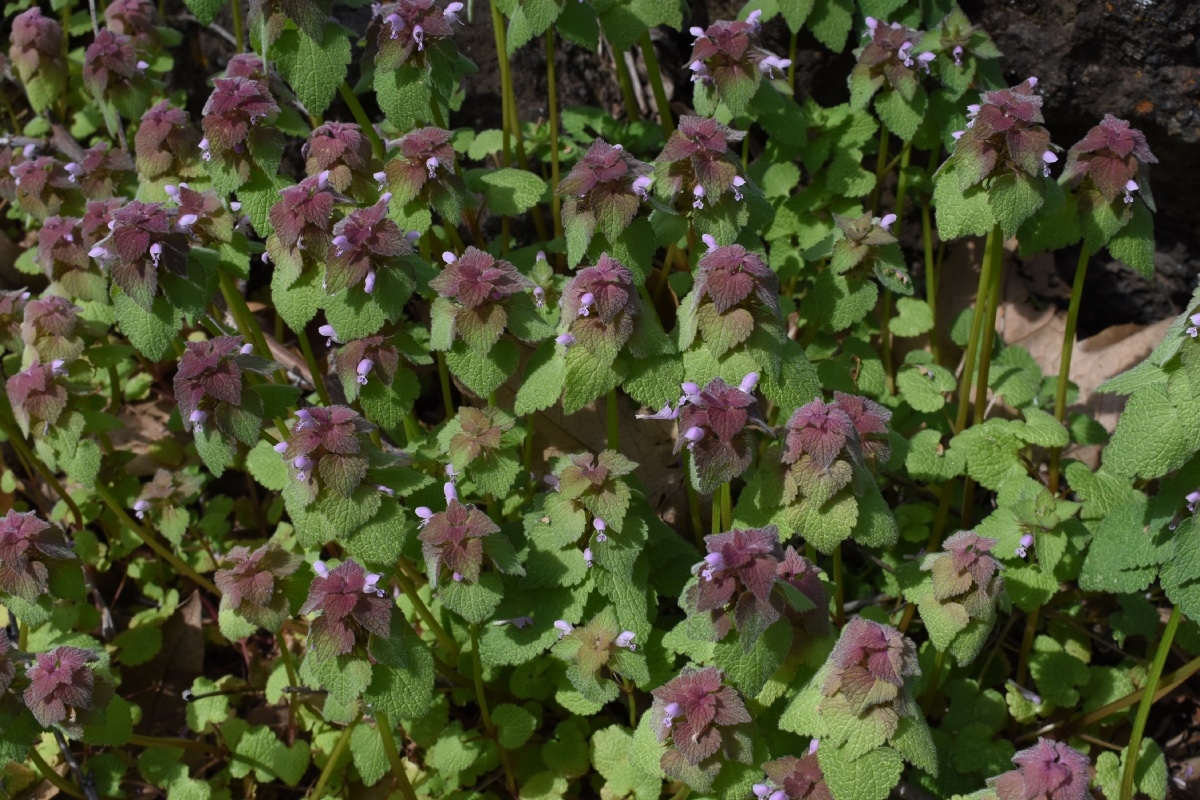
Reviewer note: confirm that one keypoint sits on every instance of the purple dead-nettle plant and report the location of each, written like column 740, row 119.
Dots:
column 201, row 215
column 890, row 57
column 600, row 307
column 97, row 220
column 715, row 425
column 29, row 549
column 867, row 246
column 62, row 688
column 250, row 67
column 603, row 190
column 62, row 253
column 480, row 434
column 38, row 396
column 871, row 424
column 36, row 51
column 793, row 778
column 1113, row 160
column 12, row 312
column 328, row 448
column 598, row 652
column 43, row 186
column 596, row 483
column 454, row 542
column 1047, row 771
column 365, row 245
column 728, row 56
column 166, row 143
column 740, row 584
column 49, row 329
column 167, row 494
column 361, row 361
column 422, row 168
column 868, row 676
column 102, row 172
column 695, row 169
column 822, row 445
column 234, row 118
column 344, row 152
column 735, row 292
column 351, row 603
column 302, row 221
column 115, row 73
column 703, row 722
column 959, row 603
column 212, row 388
column 474, row 289
column 402, row 32
column 145, row 237
column 139, row 20
column 1004, row 136
column 8, row 667
column 251, row 583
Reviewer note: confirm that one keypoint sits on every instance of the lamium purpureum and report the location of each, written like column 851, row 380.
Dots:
column 29, row 549
column 715, row 426
column 704, row 724
column 351, row 605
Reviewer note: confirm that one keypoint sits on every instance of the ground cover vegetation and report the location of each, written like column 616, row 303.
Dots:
column 356, row 535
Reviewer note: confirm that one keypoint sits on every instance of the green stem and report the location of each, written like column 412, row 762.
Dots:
column 435, row 111
column 1143, row 711
column 885, row 341
column 59, row 782
column 289, row 667
column 627, row 687
column 931, row 691
column 1064, row 364
column 114, row 387
column 656, row 84
column 427, row 618
column 902, row 183
column 881, row 168
column 166, row 555
column 632, row 112
column 247, row 324
column 839, row 598
column 931, row 278
column 932, row 544
column 726, row 507
column 989, row 327
column 1031, row 622
column 502, row 59
column 239, row 35
column 716, row 512
column 444, row 378
column 28, row 458
column 693, row 506
column 314, row 369
column 792, row 58
column 552, row 91
column 166, row 741
column 968, row 373
column 481, row 698
column 339, row 747
column 384, row 726
column 364, row 122
column 613, row 422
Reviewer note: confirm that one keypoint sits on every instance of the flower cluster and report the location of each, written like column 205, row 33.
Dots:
column 137, row 19
column 112, row 70
column 599, row 308
column 867, row 245
column 727, row 56
column 202, row 215
column 12, row 312
column 8, row 669
column 715, row 425
column 734, row 291
column 251, row 583
column 478, row 432
column 401, row 31
column 211, row 382
column 963, row 47
column 328, row 448
column 61, row 687
column 1047, row 771
column 1113, row 158
column 167, row 491
column 341, row 150
column 29, row 547
column 960, row 605
column 700, row 716
column 302, row 220
column 37, row 53
column 794, row 778
column 740, row 585
column 49, row 329
column 365, row 243
column 867, row 676
column 825, row 440
column 102, row 171
column 597, row 648
column 352, row 605
column 605, row 188
column 166, row 142
column 236, row 106
column 42, row 186
column 1005, row 135
column 890, row 56
column 423, row 166
column 145, row 236
column 452, row 541
column 38, row 396
column 359, row 360
column 476, row 285
column 697, row 162
column 595, row 483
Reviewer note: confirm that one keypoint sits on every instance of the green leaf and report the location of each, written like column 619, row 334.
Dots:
column 749, row 669
column 870, row 777
column 259, row 750
column 924, row 386
column 960, row 213
column 314, row 69
column 1013, row 198
column 902, row 117
column 116, row 727
column 1056, row 672
column 831, row 22
column 214, row 449
column 344, row 677
column 402, row 677
column 1150, row 776
column 138, row 645
column 483, row 374
column 510, row 191
column 267, row 466
column 474, row 602
column 366, row 748
column 545, row 373
column 404, row 96
column 611, row 748
column 588, row 378
column 837, row 302
column 991, row 451
column 205, row 714
column 514, row 725
column 205, row 10
column 913, row 317
column 1153, row 436
column 151, row 332
column 1134, row 244
column 1042, row 429
column 1181, row 573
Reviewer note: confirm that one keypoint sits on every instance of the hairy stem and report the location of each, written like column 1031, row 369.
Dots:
column 931, row 278
column 444, row 378
column 427, row 618
column 481, row 698
column 59, row 782
column 694, row 508
column 885, row 341
column 166, row 555
column 1031, row 622
column 239, row 34
column 839, row 597
column 881, row 169
column 1064, row 364
column 988, row 330
column 726, row 506
column 932, row 543
column 632, row 112
column 314, row 369
column 28, row 458
column 505, row 81
column 384, row 726
column 968, row 371
column 656, row 84
column 1143, row 711
column 931, row 691
column 166, row 741
column 360, row 116
column 339, row 747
